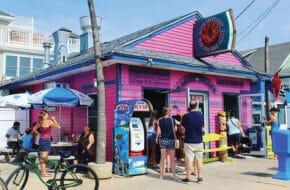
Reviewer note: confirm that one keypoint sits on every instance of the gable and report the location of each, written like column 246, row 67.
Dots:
column 178, row 39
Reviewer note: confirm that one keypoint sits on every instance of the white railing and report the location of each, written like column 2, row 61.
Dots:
column 31, row 40
column 12, row 38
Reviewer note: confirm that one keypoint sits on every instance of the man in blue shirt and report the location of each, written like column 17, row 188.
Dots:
column 193, row 123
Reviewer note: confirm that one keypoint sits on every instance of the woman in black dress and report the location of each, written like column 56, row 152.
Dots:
column 85, row 150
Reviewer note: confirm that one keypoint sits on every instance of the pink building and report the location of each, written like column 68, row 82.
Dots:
column 157, row 63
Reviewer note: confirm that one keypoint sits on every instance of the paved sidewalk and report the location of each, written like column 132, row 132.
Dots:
column 251, row 173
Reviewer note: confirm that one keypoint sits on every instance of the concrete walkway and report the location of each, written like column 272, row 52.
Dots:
column 251, row 173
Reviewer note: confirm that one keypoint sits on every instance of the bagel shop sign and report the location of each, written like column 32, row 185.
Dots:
column 214, row 35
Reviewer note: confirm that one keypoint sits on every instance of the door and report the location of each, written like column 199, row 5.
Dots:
column 202, row 100
column 251, row 113
column 158, row 99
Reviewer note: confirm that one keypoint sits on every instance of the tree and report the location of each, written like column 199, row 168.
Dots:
column 101, row 125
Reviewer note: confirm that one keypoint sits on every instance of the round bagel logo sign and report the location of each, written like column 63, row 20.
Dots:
column 213, row 35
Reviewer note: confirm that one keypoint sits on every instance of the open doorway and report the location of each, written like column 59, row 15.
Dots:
column 157, row 99
column 231, row 103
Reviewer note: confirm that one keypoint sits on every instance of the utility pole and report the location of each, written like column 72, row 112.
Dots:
column 101, row 124
column 267, row 70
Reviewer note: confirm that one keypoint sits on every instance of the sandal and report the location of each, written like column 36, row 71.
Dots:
column 185, row 180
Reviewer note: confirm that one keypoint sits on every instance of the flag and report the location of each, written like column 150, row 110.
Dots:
column 276, row 85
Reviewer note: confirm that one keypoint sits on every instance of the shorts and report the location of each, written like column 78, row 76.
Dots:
column 12, row 144
column 168, row 144
column 235, row 138
column 151, row 137
column 192, row 151
column 44, row 145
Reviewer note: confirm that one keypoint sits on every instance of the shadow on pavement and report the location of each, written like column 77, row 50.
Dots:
column 258, row 174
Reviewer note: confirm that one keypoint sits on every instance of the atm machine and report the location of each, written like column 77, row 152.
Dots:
column 137, row 137
column 130, row 137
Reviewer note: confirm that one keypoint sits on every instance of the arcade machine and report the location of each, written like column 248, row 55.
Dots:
column 130, row 137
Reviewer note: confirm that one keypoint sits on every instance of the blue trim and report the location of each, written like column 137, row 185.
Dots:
column 240, row 58
column 119, row 82
column 163, row 30
column 182, row 66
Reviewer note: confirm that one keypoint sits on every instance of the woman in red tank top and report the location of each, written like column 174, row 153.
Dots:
column 43, row 127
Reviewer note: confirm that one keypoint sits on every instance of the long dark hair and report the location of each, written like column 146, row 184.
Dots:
column 153, row 117
column 41, row 115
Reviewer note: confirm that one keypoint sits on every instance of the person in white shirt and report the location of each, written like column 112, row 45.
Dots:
column 12, row 136
column 235, row 133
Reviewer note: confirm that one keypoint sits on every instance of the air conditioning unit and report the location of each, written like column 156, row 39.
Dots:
column 49, row 85
column 53, row 85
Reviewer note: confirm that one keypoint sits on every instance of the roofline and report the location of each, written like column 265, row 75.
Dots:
column 187, row 67
column 139, row 60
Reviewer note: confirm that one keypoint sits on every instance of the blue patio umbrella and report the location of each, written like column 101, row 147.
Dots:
column 60, row 96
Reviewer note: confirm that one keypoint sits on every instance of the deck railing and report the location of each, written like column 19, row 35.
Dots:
column 15, row 38
column 31, row 40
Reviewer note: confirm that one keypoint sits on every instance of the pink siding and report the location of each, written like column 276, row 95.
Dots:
column 178, row 40
column 133, row 91
column 110, row 74
column 129, row 91
column 224, row 58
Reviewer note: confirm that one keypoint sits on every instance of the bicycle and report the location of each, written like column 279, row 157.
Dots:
column 3, row 185
column 64, row 176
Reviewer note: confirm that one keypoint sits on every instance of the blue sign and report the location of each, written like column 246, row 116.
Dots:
column 215, row 34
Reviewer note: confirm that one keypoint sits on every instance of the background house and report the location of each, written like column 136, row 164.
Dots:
column 278, row 55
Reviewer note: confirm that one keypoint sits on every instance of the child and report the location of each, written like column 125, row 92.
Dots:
column 27, row 140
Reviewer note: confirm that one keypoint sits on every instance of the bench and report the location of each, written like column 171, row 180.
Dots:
column 6, row 152
column 214, row 137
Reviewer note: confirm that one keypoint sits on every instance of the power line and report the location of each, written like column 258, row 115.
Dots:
column 258, row 20
column 245, row 9
column 253, row 24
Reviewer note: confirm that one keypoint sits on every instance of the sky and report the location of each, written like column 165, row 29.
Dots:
column 122, row 17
